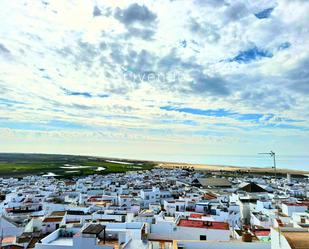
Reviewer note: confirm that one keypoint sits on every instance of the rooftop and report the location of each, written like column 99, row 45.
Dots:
column 58, row 213
column 262, row 233
column 214, row 182
column 196, row 216
column 53, row 219
column 62, row 241
column 299, row 204
column 93, row 229
column 203, row 224
column 297, row 240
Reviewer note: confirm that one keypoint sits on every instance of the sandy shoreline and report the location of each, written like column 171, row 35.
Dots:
column 230, row 168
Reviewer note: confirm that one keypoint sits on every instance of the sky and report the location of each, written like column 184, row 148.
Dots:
column 154, row 79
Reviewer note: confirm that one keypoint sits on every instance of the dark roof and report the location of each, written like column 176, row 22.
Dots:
column 34, row 241
column 210, row 196
column 29, row 237
column 58, row 213
column 12, row 247
column 75, row 212
column 251, row 187
column 94, row 229
column 52, row 219
column 21, row 240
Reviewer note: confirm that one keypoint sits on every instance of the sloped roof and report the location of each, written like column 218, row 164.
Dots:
column 214, row 182
column 33, row 241
column 210, row 196
column 251, row 187
column 94, row 229
column 12, row 222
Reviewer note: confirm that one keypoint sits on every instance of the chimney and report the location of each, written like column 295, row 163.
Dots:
column 246, row 237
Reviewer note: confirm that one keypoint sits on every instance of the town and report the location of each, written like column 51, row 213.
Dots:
column 154, row 124
column 178, row 208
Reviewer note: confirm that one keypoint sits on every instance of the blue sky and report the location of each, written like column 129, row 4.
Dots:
column 154, row 79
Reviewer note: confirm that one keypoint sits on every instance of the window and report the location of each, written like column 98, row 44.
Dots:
column 203, row 237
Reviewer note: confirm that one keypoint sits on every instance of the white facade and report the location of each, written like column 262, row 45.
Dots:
column 171, row 207
column 220, row 245
column 278, row 241
column 262, row 205
column 9, row 229
column 168, row 230
column 261, row 220
column 289, row 209
column 74, row 239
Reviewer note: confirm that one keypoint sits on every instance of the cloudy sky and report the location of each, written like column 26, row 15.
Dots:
column 154, row 79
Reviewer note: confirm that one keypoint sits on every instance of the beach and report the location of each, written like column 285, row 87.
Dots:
column 208, row 167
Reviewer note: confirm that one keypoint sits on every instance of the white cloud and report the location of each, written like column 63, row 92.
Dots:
column 60, row 62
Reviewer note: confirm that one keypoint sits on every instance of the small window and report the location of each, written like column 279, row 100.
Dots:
column 203, row 237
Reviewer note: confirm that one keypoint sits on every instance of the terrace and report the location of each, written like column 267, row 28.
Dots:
column 93, row 234
column 203, row 224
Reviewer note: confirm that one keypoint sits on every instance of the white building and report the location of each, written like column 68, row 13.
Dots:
column 289, row 238
column 261, row 220
column 9, row 228
column 181, row 244
column 94, row 236
column 186, row 229
column 290, row 208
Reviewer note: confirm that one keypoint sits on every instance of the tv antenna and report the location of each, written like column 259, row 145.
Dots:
column 273, row 155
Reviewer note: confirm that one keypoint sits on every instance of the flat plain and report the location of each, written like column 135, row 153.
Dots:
column 19, row 165
column 15, row 164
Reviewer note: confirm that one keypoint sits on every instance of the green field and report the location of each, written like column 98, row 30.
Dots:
column 64, row 165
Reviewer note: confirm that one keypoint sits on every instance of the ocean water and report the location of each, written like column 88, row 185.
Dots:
column 286, row 162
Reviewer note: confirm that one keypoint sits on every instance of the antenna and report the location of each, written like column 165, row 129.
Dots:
column 273, row 155
column 1, row 236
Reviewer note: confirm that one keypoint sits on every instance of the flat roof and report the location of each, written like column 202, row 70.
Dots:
column 297, row 240
column 58, row 213
column 262, row 233
column 9, row 239
column 204, row 224
column 62, row 241
column 196, row 216
column 53, row 219
column 299, row 204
